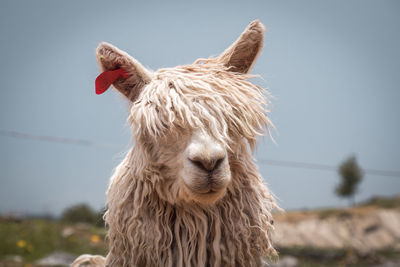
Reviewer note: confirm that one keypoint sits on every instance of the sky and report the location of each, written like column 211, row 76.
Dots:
column 331, row 66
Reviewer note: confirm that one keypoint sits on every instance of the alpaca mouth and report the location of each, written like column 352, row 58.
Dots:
column 208, row 192
column 208, row 195
column 205, row 191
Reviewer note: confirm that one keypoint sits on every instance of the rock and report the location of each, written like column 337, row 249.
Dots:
column 285, row 261
column 389, row 263
column 14, row 258
column 56, row 259
column 67, row 232
column 12, row 261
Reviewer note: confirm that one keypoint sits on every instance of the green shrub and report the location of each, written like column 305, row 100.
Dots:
column 80, row 213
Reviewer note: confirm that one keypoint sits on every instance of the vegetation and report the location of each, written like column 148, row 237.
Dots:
column 36, row 238
column 80, row 230
column 383, row 202
column 351, row 175
column 82, row 213
column 327, row 213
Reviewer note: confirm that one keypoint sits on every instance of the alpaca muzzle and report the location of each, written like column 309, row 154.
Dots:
column 206, row 166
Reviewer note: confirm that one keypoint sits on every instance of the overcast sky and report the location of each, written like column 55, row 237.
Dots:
column 332, row 67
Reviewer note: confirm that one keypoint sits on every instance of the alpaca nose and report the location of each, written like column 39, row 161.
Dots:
column 208, row 164
column 205, row 153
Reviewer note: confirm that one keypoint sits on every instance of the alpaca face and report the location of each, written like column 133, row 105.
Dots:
column 190, row 165
column 194, row 167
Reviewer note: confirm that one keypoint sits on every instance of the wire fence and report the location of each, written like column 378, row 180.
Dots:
column 281, row 163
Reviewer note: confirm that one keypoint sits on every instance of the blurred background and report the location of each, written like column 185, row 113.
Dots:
column 332, row 68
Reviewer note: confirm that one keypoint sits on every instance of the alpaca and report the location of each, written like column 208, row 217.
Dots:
column 189, row 193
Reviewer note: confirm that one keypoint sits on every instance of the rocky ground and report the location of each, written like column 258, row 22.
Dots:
column 367, row 234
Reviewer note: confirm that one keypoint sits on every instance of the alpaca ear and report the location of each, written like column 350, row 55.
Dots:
column 242, row 54
column 111, row 58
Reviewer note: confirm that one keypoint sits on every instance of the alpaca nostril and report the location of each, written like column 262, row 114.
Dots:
column 218, row 163
column 198, row 164
column 208, row 165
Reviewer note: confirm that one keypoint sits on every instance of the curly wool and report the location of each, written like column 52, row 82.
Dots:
column 149, row 225
column 206, row 96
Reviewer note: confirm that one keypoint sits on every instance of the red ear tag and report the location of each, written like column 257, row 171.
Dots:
column 105, row 79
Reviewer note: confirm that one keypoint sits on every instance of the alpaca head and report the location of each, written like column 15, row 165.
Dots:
column 190, row 122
